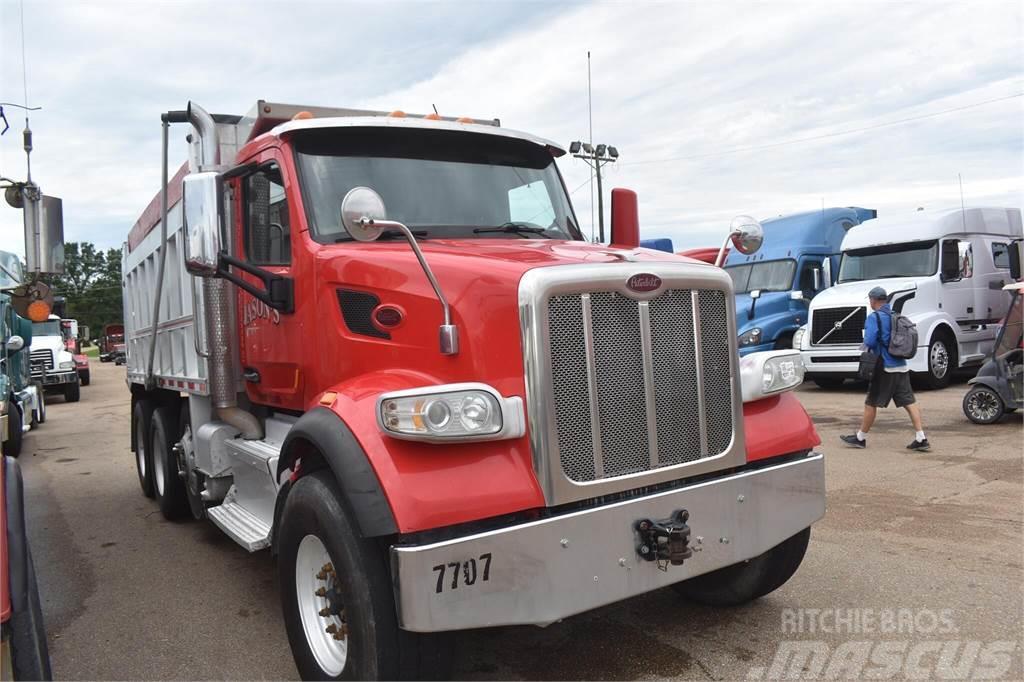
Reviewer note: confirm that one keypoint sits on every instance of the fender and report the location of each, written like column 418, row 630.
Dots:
column 321, row 431
column 777, row 425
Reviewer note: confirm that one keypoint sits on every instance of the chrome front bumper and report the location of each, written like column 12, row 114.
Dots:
column 541, row 571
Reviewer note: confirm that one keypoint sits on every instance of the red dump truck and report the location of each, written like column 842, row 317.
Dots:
column 111, row 344
column 378, row 346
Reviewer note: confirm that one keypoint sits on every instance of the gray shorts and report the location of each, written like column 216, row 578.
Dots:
column 886, row 386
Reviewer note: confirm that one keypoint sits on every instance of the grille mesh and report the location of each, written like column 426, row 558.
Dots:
column 824, row 320
column 618, row 365
column 40, row 361
column 357, row 311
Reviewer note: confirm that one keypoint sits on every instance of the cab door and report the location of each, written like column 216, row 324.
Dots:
column 271, row 344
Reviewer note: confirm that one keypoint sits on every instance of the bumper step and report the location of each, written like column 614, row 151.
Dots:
column 241, row 525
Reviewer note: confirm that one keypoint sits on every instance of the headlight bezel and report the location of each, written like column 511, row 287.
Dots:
column 66, row 365
column 784, row 368
column 509, row 413
column 798, row 336
column 751, row 337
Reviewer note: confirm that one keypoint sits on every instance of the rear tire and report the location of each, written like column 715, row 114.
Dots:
column 982, row 405
column 315, row 529
column 15, row 430
column 72, row 392
column 829, row 383
column 142, row 418
column 748, row 580
column 168, row 488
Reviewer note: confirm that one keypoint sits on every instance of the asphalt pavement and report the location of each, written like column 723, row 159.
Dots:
column 916, row 567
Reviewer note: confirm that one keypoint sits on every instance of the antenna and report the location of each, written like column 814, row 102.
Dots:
column 963, row 209
column 435, row 109
column 27, row 135
column 590, row 117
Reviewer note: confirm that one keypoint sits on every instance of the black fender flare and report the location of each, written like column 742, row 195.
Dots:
column 322, row 432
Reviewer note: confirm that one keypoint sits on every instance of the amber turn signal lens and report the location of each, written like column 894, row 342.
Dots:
column 302, row 116
column 397, row 113
column 38, row 311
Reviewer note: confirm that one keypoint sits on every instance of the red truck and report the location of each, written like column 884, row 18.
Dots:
column 378, row 345
column 111, row 344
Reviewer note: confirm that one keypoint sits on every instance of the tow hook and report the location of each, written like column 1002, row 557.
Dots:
column 666, row 541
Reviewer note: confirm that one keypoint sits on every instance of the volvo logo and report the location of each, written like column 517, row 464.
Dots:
column 643, row 283
column 838, row 325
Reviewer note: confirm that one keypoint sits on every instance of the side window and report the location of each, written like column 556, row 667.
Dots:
column 966, row 260
column 267, row 233
column 531, row 204
column 807, row 278
column 1001, row 255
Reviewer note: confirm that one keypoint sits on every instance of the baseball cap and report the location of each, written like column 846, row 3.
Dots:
column 878, row 294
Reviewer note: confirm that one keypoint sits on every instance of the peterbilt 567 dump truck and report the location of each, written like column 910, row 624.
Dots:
column 378, row 346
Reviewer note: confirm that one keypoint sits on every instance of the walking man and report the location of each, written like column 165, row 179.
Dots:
column 891, row 380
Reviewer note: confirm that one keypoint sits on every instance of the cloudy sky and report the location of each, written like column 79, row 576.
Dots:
column 710, row 104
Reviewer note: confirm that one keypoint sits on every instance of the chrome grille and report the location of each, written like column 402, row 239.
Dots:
column 639, row 385
column 41, row 361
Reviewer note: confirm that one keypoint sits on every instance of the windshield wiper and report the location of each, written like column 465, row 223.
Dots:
column 513, row 228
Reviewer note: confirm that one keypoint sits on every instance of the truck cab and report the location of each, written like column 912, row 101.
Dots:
column 383, row 351
column 944, row 269
column 796, row 262
column 21, row 399
column 53, row 366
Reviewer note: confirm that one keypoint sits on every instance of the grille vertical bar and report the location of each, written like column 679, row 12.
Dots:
column 649, row 396
column 698, row 357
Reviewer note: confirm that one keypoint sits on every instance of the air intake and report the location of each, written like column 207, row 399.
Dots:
column 357, row 311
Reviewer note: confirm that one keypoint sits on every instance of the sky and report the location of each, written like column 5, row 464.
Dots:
column 709, row 104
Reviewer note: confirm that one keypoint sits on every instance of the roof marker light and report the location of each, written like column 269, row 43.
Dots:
column 302, row 116
column 464, row 119
column 397, row 113
column 432, row 117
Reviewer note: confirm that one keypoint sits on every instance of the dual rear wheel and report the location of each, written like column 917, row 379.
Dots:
column 155, row 431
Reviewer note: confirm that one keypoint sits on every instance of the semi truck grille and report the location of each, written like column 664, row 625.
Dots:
column 41, row 361
column 639, row 385
column 825, row 320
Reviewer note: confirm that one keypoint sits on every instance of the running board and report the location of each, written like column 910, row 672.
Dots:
column 240, row 525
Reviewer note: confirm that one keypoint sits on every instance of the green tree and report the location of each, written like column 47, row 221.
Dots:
column 91, row 286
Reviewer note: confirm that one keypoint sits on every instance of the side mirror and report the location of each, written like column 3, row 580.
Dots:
column 360, row 210
column 826, row 271
column 625, row 219
column 202, row 197
column 14, row 344
column 796, row 295
column 746, row 235
column 816, row 275
column 755, row 294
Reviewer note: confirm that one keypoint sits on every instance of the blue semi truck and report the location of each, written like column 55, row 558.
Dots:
column 798, row 259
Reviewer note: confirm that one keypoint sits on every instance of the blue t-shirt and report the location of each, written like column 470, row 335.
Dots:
column 881, row 316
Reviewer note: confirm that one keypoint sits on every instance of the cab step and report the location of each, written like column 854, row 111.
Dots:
column 241, row 525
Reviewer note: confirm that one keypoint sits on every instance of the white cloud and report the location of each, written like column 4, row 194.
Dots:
column 670, row 80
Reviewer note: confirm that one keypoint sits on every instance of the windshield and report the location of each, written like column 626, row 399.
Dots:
column 11, row 272
column 773, row 275
column 916, row 259
column 1013, row 327
column 438, row 183
column 48, row 328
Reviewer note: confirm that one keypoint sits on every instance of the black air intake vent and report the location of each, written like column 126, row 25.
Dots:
column 357, row 309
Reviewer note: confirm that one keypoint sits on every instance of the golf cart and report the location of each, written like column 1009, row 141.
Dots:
column 998, row 387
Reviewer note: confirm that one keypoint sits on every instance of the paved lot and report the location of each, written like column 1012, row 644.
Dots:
column 128, row 595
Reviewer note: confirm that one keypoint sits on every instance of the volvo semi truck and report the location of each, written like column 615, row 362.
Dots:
column 378, row 346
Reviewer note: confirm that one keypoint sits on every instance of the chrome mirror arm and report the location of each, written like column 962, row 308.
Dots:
column 449, row 333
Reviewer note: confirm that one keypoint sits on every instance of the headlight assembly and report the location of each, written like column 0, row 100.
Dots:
column 751, row 337
column 765, row 374
column 67, row 365
column 450, row 412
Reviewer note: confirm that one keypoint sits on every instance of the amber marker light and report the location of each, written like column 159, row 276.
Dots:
column 38, row 311
column 302, row 116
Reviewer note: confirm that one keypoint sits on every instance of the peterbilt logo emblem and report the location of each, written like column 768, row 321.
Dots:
column 643, row 283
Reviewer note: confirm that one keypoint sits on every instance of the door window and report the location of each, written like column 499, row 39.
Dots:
column 1001, row 255
column 966, row 254
column 267, row 233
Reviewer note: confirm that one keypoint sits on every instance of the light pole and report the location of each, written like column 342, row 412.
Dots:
column 596, row 156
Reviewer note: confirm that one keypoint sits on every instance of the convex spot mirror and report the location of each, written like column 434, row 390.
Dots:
column 359, row 209
column 747, row 234
column 14, row 344
column 202, row 199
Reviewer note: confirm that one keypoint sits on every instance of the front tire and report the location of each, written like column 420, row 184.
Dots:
column 941, row 357
column 748, row 580
column 829, row 383
column 39, row 414
column 337, row 597
column 83, row 377
column 15, row 430
column 72, row 392
column 168, row 488
column 982, row 405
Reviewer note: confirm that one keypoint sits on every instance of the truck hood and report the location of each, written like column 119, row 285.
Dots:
column 769, row 304
column 856, row 293
column 53, row 343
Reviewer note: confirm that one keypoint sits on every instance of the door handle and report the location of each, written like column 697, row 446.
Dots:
column 251, row 375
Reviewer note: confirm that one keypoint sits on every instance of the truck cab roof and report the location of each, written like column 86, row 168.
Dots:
column 931, row 225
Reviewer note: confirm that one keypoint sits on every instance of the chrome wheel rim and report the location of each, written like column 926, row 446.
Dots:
column 140, row 449
column 158, row 467
column 983, row 405
column 939, row 358
column 320, row 607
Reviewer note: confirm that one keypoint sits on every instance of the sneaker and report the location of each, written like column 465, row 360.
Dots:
column 921, row 445
column 854, row 442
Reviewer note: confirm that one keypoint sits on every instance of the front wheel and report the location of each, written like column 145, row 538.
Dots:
column 337, row 598
column 72, row 392
column 83, row 377
column 941, row 362
column 39, row 414
column 982, row 405
column 15, row 428
column 748, row 580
